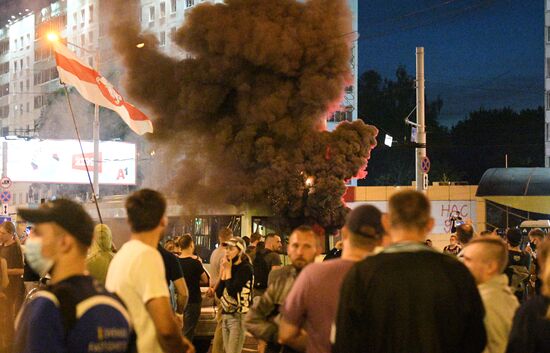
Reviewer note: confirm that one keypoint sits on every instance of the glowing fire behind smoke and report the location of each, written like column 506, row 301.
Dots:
column 247, row 108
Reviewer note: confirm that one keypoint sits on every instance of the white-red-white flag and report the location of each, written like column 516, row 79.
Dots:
column 96, row 89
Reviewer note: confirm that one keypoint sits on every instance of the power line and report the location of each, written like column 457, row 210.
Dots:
column 414, row 13
column 449, row 15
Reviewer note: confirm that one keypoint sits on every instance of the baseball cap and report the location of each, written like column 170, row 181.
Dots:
column 68, row 214
column 366, row 221
column 235, row 241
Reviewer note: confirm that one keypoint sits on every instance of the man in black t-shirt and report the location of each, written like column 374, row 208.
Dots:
column 519, row 264
column 174, row 275
column 401, row 299
column 265, row 261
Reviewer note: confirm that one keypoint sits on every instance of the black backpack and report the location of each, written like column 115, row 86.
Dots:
column 261, row 270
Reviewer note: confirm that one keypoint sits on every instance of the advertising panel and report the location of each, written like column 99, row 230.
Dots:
column 441, row 212
column 61, row 161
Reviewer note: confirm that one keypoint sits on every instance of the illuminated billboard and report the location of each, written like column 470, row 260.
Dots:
column 61, row 161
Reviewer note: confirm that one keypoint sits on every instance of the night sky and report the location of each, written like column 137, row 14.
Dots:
column 478, row 53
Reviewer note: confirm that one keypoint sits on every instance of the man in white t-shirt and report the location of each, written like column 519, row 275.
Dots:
column 137, row 275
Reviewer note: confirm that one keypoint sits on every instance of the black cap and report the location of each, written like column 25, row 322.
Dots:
column 366, row 221
column 68, row 214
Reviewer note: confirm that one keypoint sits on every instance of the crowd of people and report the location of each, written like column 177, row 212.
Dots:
column 384, row 288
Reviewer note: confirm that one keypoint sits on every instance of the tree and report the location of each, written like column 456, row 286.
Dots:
column 385, row 104
column 462, row 153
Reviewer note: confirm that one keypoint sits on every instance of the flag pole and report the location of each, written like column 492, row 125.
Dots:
column 96, row 136
column 82, row 151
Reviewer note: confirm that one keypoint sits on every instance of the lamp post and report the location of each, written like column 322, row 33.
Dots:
column 53, row 37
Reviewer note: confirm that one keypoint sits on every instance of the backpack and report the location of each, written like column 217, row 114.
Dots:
column 261, row 270
column 518, row 277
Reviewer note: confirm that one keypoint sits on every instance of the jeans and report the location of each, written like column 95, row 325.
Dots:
column 191, row 318
column 233, row 332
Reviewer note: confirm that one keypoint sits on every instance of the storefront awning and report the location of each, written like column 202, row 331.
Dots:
column 526, row 189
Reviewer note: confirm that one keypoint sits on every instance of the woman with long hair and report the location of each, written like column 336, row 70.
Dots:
column 531, row 327
column 235, row 292
column 194, row 275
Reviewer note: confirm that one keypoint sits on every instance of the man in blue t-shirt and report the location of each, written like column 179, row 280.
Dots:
column 74, row 313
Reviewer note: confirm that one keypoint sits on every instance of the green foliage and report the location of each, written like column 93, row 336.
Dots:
column 461, row 153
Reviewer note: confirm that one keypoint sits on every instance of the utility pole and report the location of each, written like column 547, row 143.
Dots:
column 422, row 163
column 96, row 135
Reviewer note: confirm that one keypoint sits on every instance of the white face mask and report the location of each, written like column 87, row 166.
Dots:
column 33, row 255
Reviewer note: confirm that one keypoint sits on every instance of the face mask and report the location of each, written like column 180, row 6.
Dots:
column 33, row 255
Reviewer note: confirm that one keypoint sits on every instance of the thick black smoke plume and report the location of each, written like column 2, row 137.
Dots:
column 247, row 110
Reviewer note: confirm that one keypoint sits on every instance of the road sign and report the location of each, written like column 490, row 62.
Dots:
column 5, row 219
column 5, row 196
column 5, row 209
column 425, row 164
column 5, row 183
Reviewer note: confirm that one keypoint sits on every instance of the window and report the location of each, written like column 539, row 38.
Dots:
column 547, row 100
column 15, row 44
column 162, row 10
column 28, row 107
column 28, row 62
column 15, row 66
column 4, row 47
column 22, row 43
column 21, row 64
column 4, row 89
column 28, row 84
column 83, row 39
column 91, row 37
column 91, row 13
column 75, row 20
column 151, row 13
column 91, row 61
column 189, row 3
column 162, row 38
column 28, row 40
column 54, row 73
column 37, row 102
column 4, row 68
column 4, row 111
column 83, row 17
column 20, row 109
column 173, row 6
column 548, row 34
column 21, row 86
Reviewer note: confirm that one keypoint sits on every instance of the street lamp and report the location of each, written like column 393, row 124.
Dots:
column 54, row 37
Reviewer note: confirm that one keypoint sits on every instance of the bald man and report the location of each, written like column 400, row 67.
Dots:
column 486, row 258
